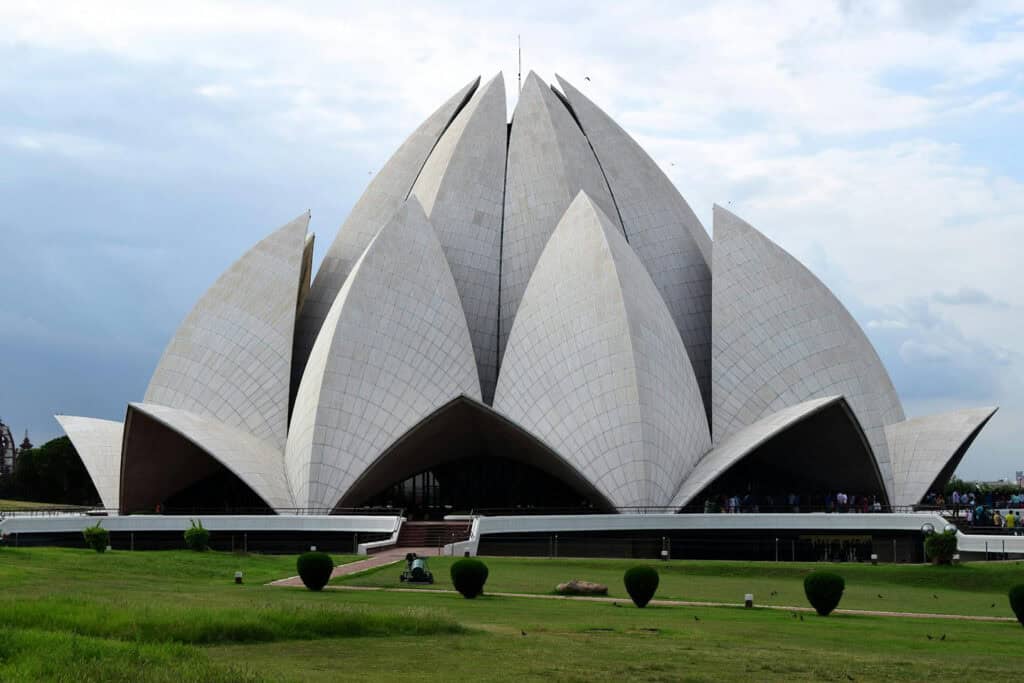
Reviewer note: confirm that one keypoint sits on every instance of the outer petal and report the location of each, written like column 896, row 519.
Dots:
column 394, row 348
column 661, row 228
column 780, row 337
column 98, row 443
column 925, row 451
column 390, row 187
column 830, row 448
column 461, row 188
column 167, row 449
column 595, row 367
column 231, row 358
column 549, row 162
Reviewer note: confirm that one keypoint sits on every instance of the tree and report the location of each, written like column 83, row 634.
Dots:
column 51, row 473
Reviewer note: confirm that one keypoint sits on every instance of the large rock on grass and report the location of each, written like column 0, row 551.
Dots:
column 577, row 587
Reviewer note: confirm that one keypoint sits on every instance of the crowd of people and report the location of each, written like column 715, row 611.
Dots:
column 792, row 502
column 983, row 509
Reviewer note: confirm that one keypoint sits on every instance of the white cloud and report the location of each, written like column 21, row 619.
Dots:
column 217, row 91
column 914, row 352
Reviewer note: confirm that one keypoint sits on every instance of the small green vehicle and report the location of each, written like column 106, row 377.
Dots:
column 416, row 570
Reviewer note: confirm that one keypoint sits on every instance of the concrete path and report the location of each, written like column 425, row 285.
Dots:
column 384, row 557
column 690, row 603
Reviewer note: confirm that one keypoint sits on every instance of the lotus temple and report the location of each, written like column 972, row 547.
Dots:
column 520, row 316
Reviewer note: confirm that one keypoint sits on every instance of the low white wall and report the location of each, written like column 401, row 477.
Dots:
column 365, row 548
column 981, row 543
column 811, row 521
column 71, row 523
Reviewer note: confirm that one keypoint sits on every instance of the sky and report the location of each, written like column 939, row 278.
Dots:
column 142, row 152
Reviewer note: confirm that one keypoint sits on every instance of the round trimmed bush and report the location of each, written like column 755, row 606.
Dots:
column 469, row 576
column 197, row 537
column 315, row 569
column 641, row 584
column 940, row 548
column 824, row 591
column 96, row 537
column 1017, row 602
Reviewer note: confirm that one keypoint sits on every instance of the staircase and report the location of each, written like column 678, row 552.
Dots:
column 432, row 534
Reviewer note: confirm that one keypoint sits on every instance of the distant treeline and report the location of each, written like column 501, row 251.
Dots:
column 961, row 486
column 51, row 473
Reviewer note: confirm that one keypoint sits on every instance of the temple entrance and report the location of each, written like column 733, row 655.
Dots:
column 801, row 469
column 479, row 482
column 465, row 456
column 219, row 493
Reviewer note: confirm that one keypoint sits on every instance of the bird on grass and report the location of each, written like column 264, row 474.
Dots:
column 929, row 636
column 849, row 677
column 773, row 594
column 801, row 617
column 935, row 596
column 696, row 618
column 523, row 632
column 943, row 637
column 992, row 605
column 879, row 595
column 793, row 614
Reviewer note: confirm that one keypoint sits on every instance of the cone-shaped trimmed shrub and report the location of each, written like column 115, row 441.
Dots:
column 824, row 591
column 641, row 584
column 315, row 569
column 469, row 576
column 1017, row 602
column 940, row 548
column 96, row 537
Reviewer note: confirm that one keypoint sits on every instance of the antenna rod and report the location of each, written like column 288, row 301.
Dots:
column 519, row 76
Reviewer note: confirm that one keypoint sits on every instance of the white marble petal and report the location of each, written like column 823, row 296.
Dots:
column 258, row 463
column 596, row 369
column 661, row 228
column 390, row 186
column 230, row 359
column 926, row 450
column 394, row 348
column 780, row 337
column 462, row 188
column 549, row 162
column 98, row 443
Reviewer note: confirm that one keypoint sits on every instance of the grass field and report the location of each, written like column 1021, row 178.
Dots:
column 970, row 589
column 79, row 616
column 16, row 505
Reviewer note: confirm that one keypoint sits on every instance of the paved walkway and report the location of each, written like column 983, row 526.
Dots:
column 690, row 603
column 384, row 557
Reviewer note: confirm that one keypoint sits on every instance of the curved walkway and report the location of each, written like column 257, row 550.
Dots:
column 385, row 557
column 689, row 603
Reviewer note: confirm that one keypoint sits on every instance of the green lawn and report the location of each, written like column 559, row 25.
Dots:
column 15, row 505
column 966, row 589
column 75, row 615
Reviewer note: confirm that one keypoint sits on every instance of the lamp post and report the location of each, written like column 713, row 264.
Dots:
column 927, row 529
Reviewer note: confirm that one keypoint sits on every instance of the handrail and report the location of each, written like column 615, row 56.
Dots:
column 101, row 511
column 695, row 509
